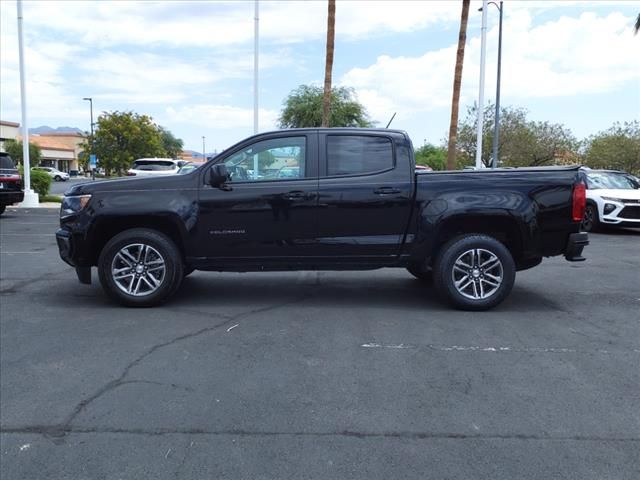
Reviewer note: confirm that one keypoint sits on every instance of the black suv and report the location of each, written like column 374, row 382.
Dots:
column 10, row 183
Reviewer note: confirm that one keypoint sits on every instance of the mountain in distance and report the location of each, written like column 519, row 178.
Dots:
column 47, row 129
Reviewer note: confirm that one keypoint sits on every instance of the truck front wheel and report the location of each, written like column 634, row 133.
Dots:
column 140, row 267
column 474, row 272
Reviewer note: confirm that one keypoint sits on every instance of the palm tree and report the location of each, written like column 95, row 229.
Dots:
column 328, row 67
column 457, row 81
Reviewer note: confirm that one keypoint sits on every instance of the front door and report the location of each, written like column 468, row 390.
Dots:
column 267, row 210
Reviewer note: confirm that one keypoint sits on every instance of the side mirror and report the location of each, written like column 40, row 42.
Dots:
column 218, row 175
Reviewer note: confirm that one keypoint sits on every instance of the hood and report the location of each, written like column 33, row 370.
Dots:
column 625, row 194
column 169, row 182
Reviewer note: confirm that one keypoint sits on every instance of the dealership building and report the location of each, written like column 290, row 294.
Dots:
column 60, row 150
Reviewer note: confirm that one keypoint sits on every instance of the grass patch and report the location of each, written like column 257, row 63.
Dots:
column 50, row 198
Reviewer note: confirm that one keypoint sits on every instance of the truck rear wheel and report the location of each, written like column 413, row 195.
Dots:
column 474, row 272
column 140, row 268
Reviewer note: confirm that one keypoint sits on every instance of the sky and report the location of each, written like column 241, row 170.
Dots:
column 189, row 65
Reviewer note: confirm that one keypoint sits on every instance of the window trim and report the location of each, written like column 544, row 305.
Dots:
column 309, row 158
column 325, row 164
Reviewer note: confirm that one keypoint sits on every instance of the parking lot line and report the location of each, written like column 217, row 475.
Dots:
column 502, row 349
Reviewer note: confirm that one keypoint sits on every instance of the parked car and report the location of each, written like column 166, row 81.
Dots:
column 613, row 200
column 10, row 183
column 54, row 173
column 155, row 167
column 188, row 168
column 357, row 205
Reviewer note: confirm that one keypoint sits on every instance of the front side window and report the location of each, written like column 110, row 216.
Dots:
column 274, row 159
column 358, row 154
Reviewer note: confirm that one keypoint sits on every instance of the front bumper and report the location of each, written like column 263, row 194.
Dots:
column 66, row 249
column 575, row 245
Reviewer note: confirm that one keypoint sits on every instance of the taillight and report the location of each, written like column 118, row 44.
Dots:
column 131, row 174
column 579, row 201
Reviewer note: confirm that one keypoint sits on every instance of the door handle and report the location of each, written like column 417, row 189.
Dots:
column 295, row 195
column 386, row 191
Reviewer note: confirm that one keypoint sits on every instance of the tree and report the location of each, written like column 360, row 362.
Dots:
column 14, row 149
column 432, row 156
column 636, row 27
column 617, row 148
column 328, row 66
column 303, row 108
column 122, row 137
column 522, row 142
column 171, row 145
column 457, row 81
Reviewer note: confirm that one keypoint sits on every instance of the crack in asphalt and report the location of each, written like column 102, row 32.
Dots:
column 16, row 287
column 54, row 430
column 59, row 430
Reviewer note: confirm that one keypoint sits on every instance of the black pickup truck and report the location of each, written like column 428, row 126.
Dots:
column 323, row 199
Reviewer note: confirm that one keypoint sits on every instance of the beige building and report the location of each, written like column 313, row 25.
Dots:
column 59, row 150
column 8, row 131
column 56, row 147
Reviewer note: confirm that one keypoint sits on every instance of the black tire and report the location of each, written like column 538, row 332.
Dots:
column 2, row 209
column 159, row 249
column 421, row 272
column 591, row 220
column 465, row 250
column 57, row 178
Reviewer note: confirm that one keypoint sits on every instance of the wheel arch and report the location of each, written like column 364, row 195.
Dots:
column 108, row 227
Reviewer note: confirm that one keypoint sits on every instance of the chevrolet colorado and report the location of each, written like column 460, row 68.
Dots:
column 323, row 199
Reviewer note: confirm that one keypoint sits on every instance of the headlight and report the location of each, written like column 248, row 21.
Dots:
column 73, row 204
column 612, row 199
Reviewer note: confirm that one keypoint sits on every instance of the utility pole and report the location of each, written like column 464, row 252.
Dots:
column 256, row 20
column 30, row 197
column 204, row 156
column 93, row 170
column 483, row 54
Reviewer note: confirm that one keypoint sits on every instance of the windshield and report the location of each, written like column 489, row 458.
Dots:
column 618, row 181
column 7, row 163
column 154, row 165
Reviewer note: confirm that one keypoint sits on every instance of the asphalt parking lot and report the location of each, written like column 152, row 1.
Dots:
column 331, row 375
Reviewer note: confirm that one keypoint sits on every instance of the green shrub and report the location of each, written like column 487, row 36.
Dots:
column 40, row 181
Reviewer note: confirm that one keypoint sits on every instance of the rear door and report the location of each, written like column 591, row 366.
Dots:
column 364, row 196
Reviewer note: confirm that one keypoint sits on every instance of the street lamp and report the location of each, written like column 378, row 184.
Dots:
column 496, row 129
column 90, row 100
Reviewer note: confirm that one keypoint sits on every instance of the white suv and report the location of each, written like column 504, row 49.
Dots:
column 54, row 173
column 155, row 166
column 613, row 199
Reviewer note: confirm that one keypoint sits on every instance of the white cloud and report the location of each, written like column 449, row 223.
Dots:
column 222, row 116
column 565, row 57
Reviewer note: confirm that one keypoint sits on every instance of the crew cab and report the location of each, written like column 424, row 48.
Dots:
column 351, row 200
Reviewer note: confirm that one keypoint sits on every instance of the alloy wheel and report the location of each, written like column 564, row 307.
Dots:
column 477, row 274
column 138, row 269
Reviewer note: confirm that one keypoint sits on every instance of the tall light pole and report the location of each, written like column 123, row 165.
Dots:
column 204, row 156
column 256, row 21
column 30, row 197
column 483, row 54
column 496, row 127
column 93, row 174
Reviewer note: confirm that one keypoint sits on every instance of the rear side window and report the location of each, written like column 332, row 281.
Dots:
column 153, row 165
column 358, row 154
